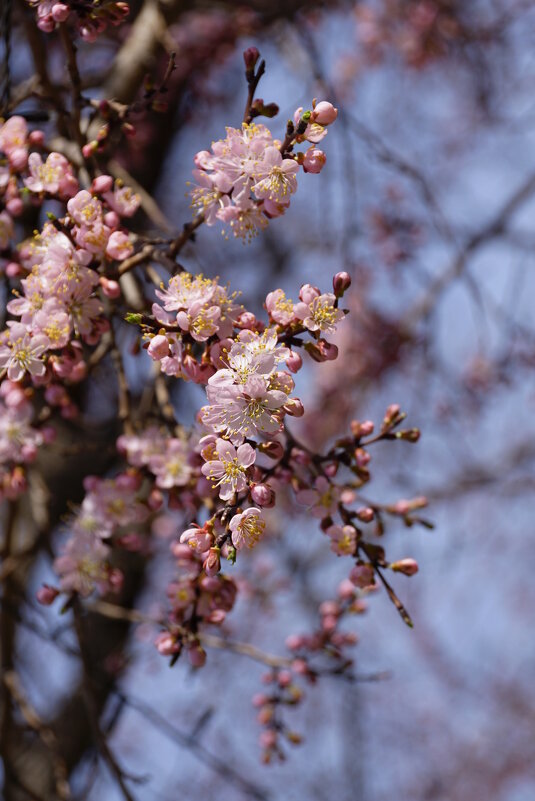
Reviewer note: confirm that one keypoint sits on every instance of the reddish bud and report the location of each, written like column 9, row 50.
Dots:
column 46, row 595
column 250, row 58
column 341, row 282
column 406, row 566
column 365, row 513
column 263, row 495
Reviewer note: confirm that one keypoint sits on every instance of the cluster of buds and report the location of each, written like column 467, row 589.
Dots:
column 88, row 18
column 249, row 177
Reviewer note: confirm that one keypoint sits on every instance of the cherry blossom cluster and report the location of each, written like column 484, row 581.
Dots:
column 19, row 439
column 249, row 177
column 89, row 19
column 210, row 487
column 65, row 266
column 111, row 509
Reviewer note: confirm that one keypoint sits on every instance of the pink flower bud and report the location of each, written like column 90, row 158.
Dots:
column 284, row 678
column 329, row 623
column 263, row 495
column 365, row 513
column 314, row 160
column 259, row 699
column 308, row 293
column 406, row 566
column 36, row 138
column 364, row 429
column 391, row 413
column 112, row 220
column 110, row 288
column 272, row 449
column 46, row 595
column 294, row 362
column 362, row 576
column 246, row 320
column 60, row 12
column 294, row 408
column 250, row 57
column 341, row 282
column 327, row 350
column 89, row 149
column 101, row 184
column 15, row 206
column 346, row 590
column 362, row 457
column 167, row 644
column 197, row 656
column 18, row 158
column 212, row 564
column 13, row 269
column 329, row 608
column 324, row 113
column 300, row 667
column 158, row 347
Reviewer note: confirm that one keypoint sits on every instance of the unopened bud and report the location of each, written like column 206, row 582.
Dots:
column 341, row 283
column 362, row 457
column 359, row 429
column 261, row 109
column 158, row 347
column 327, row 350
column 197, row 656
column 294, row 362
column 409, row 434
column 110, row 288
column 46, row 595
column 294, row 408
column 101, row 184
column 365, row 513
column 406, row 566
column 324, row 113
column 263, row 495
column 250, row 58
column 272, row 449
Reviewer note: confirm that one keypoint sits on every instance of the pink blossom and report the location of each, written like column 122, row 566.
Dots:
column 362, row 576
column 199, row 321
column 119, row 246
column 123, row 200
column 197, row 538
column 343, row 539
column 278, row 176
column 171, row 467
column 228, row 471
column 321, row 314
column 323, row 498
column 53, row 176
column 20, row 353
column 279, row 307
column 82, row 567
column 247, row 528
